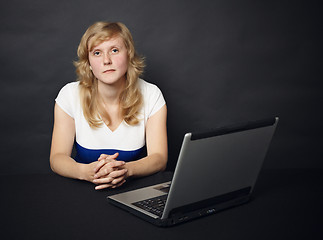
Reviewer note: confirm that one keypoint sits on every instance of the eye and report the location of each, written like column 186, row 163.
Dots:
column 96, row 53
column 115, row 50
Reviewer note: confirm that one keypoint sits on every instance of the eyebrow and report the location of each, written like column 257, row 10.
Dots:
column 99, row 49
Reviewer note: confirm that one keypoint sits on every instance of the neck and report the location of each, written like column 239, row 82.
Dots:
column 110, row 92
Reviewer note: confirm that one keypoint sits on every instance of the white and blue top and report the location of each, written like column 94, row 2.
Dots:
column 128, row 141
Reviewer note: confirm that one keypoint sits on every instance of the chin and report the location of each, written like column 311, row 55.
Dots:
column 110, row 81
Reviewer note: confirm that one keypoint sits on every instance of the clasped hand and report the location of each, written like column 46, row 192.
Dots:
column 109, row 173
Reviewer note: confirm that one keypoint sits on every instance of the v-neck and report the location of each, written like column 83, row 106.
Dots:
column 115, row 130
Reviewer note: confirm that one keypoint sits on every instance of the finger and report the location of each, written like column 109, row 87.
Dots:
column 119, row 184
column 99, row 165
column 103, row 162
column 104, row 171
column 104, row 168
column 102, row 186
column 106, row 180
column 115, row 164
column 106, row 156
column 103, row 156
column 118, row 180
column 114, row 156
column 118, row 173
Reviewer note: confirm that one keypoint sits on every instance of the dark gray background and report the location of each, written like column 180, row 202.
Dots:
column 217, row 62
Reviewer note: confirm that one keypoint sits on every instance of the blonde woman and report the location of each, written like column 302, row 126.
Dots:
column 109, row 113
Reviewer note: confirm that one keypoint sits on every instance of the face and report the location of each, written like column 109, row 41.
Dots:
column 109, row 61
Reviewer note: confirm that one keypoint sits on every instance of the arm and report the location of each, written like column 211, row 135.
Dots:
column 156, row 160
column 157, row 151
column 61, row 148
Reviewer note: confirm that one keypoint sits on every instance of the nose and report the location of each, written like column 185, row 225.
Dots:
column 107, row 59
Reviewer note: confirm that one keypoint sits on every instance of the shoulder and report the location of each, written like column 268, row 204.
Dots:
column 70, row 90
column 72, row 86
column 148, row 89
column 68, row 98
column 153, row 98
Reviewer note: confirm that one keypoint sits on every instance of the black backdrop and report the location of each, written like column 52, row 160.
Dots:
column 217, row 62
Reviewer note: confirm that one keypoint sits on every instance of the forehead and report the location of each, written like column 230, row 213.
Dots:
column 105, row 43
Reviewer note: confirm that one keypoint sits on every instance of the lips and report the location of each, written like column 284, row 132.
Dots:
column 108, row 71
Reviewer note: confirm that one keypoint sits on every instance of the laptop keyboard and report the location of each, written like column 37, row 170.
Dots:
column 154, row 205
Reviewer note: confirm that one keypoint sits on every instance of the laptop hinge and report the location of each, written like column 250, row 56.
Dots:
column 237, row 195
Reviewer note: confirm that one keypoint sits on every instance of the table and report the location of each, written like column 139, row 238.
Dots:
column 287, row 204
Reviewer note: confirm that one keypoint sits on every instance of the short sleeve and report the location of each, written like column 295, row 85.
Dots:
column 153, row 98
column 157, row 101
column 66, row 98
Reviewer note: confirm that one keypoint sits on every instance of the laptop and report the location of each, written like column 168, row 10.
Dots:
column 215, row 170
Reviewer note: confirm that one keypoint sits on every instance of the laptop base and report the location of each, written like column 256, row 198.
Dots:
column 179, row 217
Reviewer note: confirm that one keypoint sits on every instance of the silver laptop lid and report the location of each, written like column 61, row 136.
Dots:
column 218, row 162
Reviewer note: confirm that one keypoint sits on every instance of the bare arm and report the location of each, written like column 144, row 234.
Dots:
column 61, row 148
column 157, row 151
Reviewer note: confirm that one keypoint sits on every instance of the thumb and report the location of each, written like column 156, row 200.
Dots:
column 103, row 156
column 114, row 156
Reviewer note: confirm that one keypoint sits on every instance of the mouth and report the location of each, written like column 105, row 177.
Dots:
column 108, row 71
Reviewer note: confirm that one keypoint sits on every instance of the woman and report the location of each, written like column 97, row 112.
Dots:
column 110, row 113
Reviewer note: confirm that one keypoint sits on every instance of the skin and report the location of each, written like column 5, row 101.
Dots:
column 109, row 63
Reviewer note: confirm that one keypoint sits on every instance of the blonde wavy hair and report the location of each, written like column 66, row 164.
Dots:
column 131, row 97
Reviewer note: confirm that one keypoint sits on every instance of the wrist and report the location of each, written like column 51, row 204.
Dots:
column 129, row 173
column 81, row 168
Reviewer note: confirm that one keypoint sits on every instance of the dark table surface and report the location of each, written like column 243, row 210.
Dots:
column 287, row 204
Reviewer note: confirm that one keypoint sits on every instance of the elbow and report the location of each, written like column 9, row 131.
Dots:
column 163, row 164
column 159, row 162
column 52, row 168
column 51, row 164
